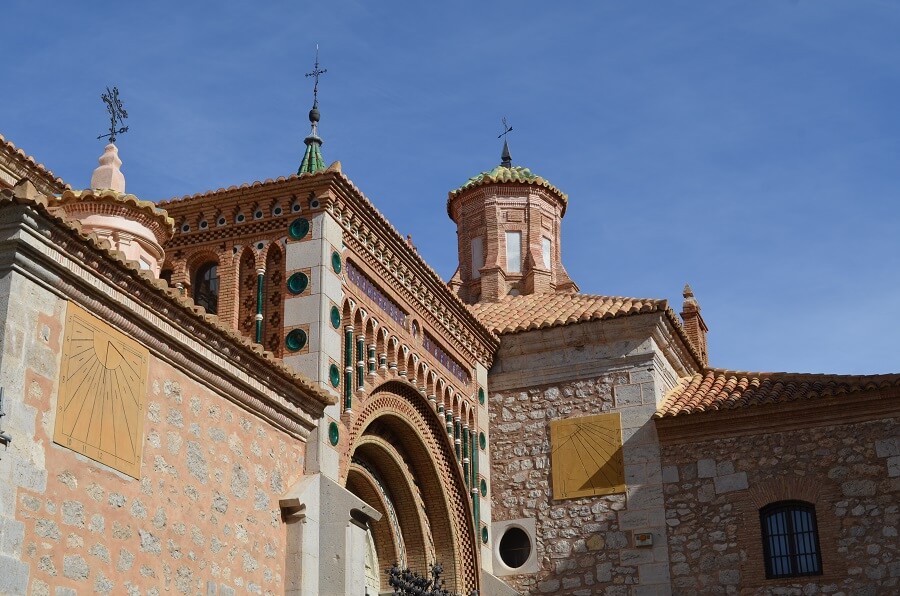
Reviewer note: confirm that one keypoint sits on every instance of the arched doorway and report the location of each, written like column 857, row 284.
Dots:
column 403, row 465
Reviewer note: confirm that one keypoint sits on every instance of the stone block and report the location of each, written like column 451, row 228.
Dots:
column 627, row 395
column 670, row 474
column 654, row 573
column 731, row 482
column 706, row 468
column 647, row 496
column 858, row 488
column 634, row 520
column 887, row 447
column 893, row 466
column 604, row 572
column 13, row 576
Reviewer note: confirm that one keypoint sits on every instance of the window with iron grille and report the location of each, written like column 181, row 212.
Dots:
column 790, row 539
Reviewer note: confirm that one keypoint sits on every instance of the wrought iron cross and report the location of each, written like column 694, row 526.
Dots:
column 315, row 73
column 117, row 113
column 506, row 129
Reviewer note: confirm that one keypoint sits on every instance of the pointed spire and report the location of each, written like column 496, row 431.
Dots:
column 505, row 157
column 312, row 158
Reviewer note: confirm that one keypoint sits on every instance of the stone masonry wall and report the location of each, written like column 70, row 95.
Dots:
column 584, row 545
column 204, row 518
column 714, row 490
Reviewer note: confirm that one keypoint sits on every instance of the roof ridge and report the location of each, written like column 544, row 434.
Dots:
column 786, row 374
column 31, row 160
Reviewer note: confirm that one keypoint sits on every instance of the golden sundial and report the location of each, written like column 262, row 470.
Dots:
column 102, row 384
column 586, row 456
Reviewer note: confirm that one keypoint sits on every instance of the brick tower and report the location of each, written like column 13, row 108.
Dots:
column 508, row 232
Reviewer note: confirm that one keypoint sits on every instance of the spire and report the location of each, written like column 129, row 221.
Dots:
column 505, row 157
column 312, row 158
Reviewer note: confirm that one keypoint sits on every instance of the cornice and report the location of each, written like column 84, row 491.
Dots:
column 779, row 417
column 61, row 260
column 420, row 284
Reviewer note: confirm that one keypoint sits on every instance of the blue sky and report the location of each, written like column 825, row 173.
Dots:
column 749, row 148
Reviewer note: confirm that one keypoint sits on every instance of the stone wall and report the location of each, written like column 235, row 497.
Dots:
column 204, row 516
column 714, row 490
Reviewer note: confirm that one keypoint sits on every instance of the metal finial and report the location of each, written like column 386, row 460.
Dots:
column 315, row 74
column 117, row 113
column 505, row 157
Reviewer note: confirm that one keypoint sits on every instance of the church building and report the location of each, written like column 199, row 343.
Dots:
column 265, row 389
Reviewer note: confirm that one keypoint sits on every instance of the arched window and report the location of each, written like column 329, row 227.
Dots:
column 790, row 539
column 206, row 287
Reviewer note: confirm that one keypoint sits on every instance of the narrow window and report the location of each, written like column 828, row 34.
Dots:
column 206, row 287
column 790, row 539
column 514, row 252
column 545, row 251
column 477, row 256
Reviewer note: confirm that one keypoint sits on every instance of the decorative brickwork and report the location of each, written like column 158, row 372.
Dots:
column 273, row 310
column 247, row 292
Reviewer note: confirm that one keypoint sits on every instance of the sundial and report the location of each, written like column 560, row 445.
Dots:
column 586, row 456
column 102, row 388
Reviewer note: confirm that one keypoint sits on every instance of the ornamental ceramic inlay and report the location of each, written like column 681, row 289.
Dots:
column 297, row 283
column 336, row 262
column 362, row 282
column 334, row 375
column 299, row 228
column 334, row 434
column 335, row 317
column 449, row 363
column 295, row 340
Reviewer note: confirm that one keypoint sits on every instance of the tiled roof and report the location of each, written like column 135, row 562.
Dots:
column 717, row 389
column 160, row 287
column 160, row 216
column 513, row 174
column 50, row 179
column 515, row 314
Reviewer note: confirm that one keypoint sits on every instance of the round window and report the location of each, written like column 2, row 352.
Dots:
column 515, row 547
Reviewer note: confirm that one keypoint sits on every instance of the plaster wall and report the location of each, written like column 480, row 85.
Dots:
column 203, row 516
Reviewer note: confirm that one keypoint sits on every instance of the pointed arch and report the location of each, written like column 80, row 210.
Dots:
column 247, row 292
column 273, row 306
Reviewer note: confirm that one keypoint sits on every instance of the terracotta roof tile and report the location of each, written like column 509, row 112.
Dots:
column 515, row 314
column 717, row 389
column 58, row 184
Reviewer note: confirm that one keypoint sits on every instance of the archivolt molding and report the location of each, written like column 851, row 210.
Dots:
column 407, row 405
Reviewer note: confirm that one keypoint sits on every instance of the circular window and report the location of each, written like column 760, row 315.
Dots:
column 276, row 211
column 295, row 207
column 239, row 218
column 314, row 203
column 515, row 547
column 203, row 225
column 185, row 228
column 258, row 214
column 220, row 221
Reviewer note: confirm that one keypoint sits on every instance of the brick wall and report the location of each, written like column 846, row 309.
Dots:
column 714, row 490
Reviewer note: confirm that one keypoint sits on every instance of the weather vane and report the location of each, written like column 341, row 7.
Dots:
column 117, row 113
column 506, row 129
column 315, row 73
